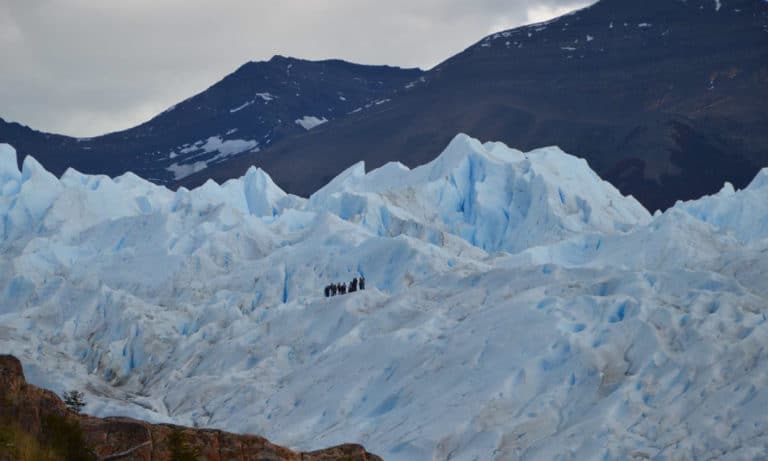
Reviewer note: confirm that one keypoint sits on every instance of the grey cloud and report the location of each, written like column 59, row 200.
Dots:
column 84, row 67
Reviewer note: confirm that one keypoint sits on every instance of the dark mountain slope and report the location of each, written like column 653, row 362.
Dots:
column 250, row 109
column 664, row 98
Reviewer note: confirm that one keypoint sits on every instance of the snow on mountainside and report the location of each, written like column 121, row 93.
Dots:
column 257, row 105
column 517, row 307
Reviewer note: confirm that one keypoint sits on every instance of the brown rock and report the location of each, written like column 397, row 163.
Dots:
column 342, row 452
column 126, row 439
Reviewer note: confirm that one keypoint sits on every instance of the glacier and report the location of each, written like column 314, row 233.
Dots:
column 517, row 307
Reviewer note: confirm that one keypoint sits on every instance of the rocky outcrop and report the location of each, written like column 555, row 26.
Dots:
column 27, row 407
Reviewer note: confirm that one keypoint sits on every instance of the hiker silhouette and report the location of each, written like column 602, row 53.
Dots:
column 357, row 284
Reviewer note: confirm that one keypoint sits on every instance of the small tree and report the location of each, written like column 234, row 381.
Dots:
column 74, row 400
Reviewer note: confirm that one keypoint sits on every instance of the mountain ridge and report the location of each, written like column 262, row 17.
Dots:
column 661, row 98
column 665, row 110
column 257, row 104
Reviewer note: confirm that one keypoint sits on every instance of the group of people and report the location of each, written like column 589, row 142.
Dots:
column 342, row 289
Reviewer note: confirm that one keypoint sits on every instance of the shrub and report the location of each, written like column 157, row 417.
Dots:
column 19, row 445
column 180, row 451
column 65, row 436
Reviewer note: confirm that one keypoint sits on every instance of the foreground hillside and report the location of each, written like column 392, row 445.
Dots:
column 516, row 306
column 35, row 425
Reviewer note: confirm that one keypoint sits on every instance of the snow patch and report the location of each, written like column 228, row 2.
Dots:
column 241, row 107
column 183, row 170
column 310, row 121
column 223, row 148
column 266, row 97
column 227, row 147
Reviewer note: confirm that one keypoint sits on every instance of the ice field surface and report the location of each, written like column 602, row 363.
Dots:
column 517, row 307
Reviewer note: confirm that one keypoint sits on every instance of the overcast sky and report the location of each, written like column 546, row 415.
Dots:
column 86, row 67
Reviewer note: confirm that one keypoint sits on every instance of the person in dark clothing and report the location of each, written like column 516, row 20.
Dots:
column 343, row 288
column 362, row 283
column 353, row 285
column 327, row 291
column 333, row 289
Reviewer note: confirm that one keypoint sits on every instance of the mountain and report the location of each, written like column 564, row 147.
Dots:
column 257, row 105
column 29, row 413
column 517, row 306
column 664, row 98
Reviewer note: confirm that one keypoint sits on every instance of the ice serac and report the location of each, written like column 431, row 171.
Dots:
column 744, row 213
column 9, row 168
column 516, row 307
column 10, row 176
column 347, row 180
column 26, row 195
column 254, row 194
column 262, row 195
column 493, row 197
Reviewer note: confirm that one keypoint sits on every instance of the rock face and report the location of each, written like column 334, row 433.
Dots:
column 127, row 439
